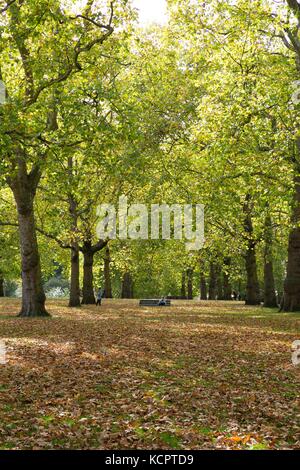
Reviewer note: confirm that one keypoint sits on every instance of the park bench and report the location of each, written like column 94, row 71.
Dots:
column 153, row 303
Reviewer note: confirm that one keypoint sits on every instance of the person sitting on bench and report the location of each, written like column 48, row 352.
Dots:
column 162, row 302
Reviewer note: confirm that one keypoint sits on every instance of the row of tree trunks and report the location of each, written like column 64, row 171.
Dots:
column 187, row 284
column 1, row 287
column 88, row 296
column 219, row 284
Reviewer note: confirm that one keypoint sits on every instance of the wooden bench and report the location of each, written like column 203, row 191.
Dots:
column 154, row 303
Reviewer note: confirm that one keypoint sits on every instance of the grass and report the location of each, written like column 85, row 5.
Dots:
column 197, row 375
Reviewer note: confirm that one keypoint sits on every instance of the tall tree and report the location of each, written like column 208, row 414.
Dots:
column 30, row 119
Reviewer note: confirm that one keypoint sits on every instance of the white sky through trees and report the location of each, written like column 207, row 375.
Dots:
column 151, row 11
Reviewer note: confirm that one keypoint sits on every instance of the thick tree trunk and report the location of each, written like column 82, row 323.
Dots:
column 24, row 187
column 107, row 278
column 1, row 287
column 226, row 282
column 88, row 296
column 212, row 288
column 127, row 286
column 291, row 296
column 74, row 300
column 270, row 299
column 89, row 250
column 33, row 298
column 190, row 283
column 183, row 285
column 252, row 288
column 203, row 286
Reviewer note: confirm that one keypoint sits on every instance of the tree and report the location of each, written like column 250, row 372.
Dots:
column 30, row 118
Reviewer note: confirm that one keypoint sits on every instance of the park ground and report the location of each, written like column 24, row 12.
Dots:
column 197, row 375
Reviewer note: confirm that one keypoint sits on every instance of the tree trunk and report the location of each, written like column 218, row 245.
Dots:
column 190, row 283
column 24, row 187
column 74, row 300
column 220, row 295
column 270, row 299
column 203, row 287
column 212, row 282
column 183, row 286
column 107, row 278
column 127, row 286
column 226, row 282
column 252, row 288
column 291, row 296
column 33, row 298
column 1, row 287
column 88, row 296
column 89, row 250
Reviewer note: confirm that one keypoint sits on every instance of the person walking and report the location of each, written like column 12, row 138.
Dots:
column 99, row 297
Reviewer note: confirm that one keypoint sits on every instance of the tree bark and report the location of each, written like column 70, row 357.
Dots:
column 226, row 282
column 183, row 285
column 74, row 300
column 291, row 296
column 212, row 282
column 203, row 286
column 252, row 288
column 127, row 286
column 89, row 250
column 88, row 296
column 190, row 283
column 220, row 295
column 24, row 187
column 107, row 277
column 270, row 299
column 1, row 287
